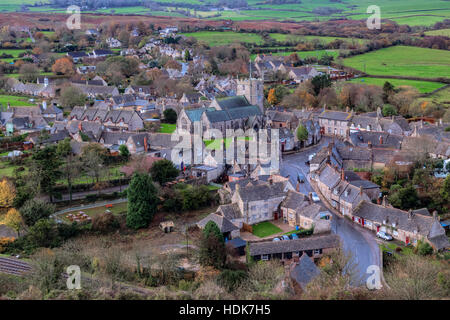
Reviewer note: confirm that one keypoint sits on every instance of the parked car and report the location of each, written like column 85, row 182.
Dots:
column 294, row 236
column 300, row 178
column 384, row 235
column 285, row 237
column 276, row 239
column 315, row 197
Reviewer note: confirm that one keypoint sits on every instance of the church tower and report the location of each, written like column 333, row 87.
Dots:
column 253, row 90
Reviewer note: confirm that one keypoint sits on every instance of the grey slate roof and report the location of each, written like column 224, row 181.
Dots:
column 312, row 210
column 232, row 102
column 230, row 211
column 378, row 213
column 336, row 115
column 223, row 223
column 261, row 192
column 294, row 200
column 309, row 243
column 304, row 271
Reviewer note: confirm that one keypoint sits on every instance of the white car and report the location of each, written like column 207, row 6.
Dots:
column 315, row 197
column 384, row 235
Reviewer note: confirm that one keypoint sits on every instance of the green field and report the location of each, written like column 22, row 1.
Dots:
column 217, row 38
column 15, row 101
column 442, row 32
column 412, row 12
column 441, row 97
column 403, row 61
column 422, row 86
column 14, row 52
column 167, row 128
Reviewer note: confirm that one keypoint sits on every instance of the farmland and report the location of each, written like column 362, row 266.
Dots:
column 421, row 86
column 411, row 12
column 403, row 61
column 442, row 32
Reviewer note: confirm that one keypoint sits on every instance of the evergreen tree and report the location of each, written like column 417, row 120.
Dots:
column 142, row 201
column 212, row 247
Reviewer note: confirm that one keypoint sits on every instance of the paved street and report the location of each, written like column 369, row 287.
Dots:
column 359, row 242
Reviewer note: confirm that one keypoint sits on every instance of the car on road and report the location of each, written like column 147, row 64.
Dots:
column 383, row 235
column 301, row 178
column 315, row 197
column 276, row 239
column 285, row 237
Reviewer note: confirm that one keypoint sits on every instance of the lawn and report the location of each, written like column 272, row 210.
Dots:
column 442, row 32
column 305, row 54
column 167, row 128
column 422, row 86
column 440, row 97
column 391, row 246
column 15, row 101
column 264, row 229
column 403, row 61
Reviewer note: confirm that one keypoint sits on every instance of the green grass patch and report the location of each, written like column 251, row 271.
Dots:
column 403, row 61
column 217, row 38
column 116, row 209
column 264, row 229
column 441, row 32
column 15, row 101
column 167, row 128
column 422, row 86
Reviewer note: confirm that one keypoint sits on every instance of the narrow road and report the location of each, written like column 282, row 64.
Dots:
column 360, row 243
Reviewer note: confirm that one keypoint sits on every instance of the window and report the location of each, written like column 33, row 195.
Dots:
column 317, row 251
column 265, row 257
column 368, row 223
column 395, row 233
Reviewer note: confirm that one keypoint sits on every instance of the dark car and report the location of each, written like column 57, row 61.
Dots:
column 300, row 178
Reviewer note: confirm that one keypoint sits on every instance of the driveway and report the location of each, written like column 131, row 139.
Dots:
column 356, row 240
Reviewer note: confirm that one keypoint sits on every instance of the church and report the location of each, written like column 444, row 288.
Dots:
column 243, row 111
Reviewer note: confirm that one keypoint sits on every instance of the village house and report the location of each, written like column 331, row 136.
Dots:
column 77, row 56
column 226, row 227
column 302, row 74
column 284, row 119
column 113, row 43
column 314, row 247
column 99, row 53
column 127, row 120
column 335, row 123
column 406, row 226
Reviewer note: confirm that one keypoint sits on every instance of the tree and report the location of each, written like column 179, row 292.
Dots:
column 388, row 90
column 46, row 165
column 404, row 198
column 72, row 96
column 320, row 82
column 14, row 220
column 271, row 98
column 163, row 171
column 187, row 55
column 142, row 201
column 34, row 210
column 93, row 160
column 424, row 248
column 445, row 190
column 170, row 115
column 63, row 66
column 124, row 152
column 212, row 247
column 302, row 133
column 28, row 72
column 7, row 194
column 72, row 166
column 389, row 111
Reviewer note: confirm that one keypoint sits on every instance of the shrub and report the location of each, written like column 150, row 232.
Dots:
column 105, row 222
column 230, row 279
column 424, row 248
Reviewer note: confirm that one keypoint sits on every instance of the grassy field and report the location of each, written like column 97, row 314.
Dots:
column 167, row 128
column 217, row 38
column 403, row 61
column 15, row 101
column 116, row 209
column 264, row 229
column 441, row 97
column 422, row 86
column 14, row 52
column 442, row 32
column 412, row 12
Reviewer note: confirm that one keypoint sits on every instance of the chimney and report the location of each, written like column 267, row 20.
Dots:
column 361, row 190
column 298, row 187
column 435, row 215
column 342, row 175
column 80, row 127
column 384, row 203
column 237, row 187
column 145, row 144
column 369, row 144
column 381, row 140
